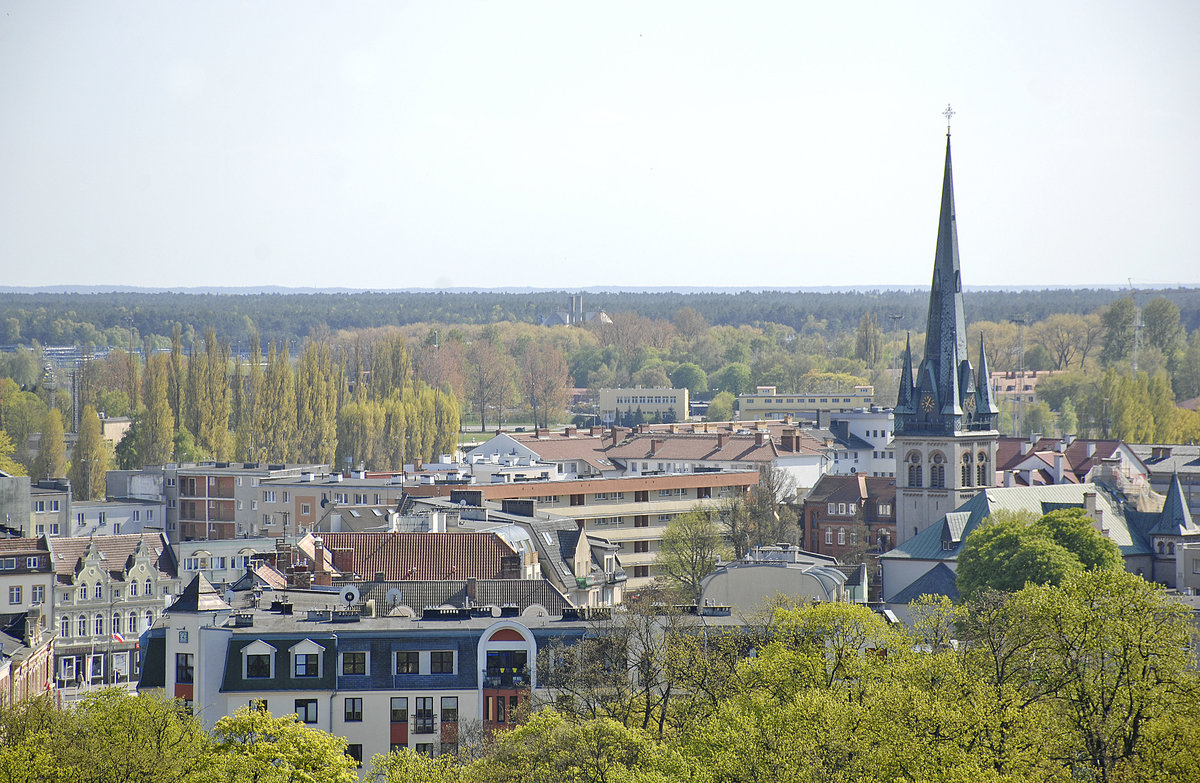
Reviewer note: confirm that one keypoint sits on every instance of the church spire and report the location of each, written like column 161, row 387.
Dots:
column 904, row 399
column 945, row 336
column 987, row 402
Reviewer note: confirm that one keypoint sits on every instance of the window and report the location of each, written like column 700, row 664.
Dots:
column 408, row 662
column 831, row 508
column 354, row 663
column 81, row 625
column 829, row 536
column 424, row 748
column 305, row 509
column 137, row 515
column 191, row 564
column 98, row 623
column 641, row 547
column 423, row 715
column 149, row 618
column 641, row 571
column 307, row 664
column 354, row 751
column 937, row 471
column 103, row 518
column 442, row 662
column 399, row 709
column 132, row 622
column 184, row 667
column 259, row 704
column 32, row 562
column 149, row 587
column 116, row 624
column 54, row 528
column 841, row 535
column 64, row 627
column 269, row 496
column 39, row 506
column 885, row 509
column 99, row 590
column 841, row 509
column 258, row 665
column 67, row 668
column 41, row 529
column 8, row 563
column 14, row 595
column 449, row 709
column 306, row 710
column 133, row 588
column 914, row 470
column 354, row 709
column 981, row 469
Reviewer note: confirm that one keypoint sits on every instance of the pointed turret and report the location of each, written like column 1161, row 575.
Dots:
column 1175, row 518
column 904, row 396
column 987, row 401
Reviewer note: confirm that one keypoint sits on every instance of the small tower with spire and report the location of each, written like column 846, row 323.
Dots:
column 945, row 413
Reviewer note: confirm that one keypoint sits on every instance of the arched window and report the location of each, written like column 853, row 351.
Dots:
column 116, row 622
column 149, row 618
column 81, row 626
column 64, row 627
column 966, row 470
column 83, row 592
column 133, row 587
column 149, row 587
column 1160, row 547
column 132, row 622
column 937, row 470
column 99, row 624
column 914, row 470
column 1171, row 548
column 981, row 470
column 841, row 535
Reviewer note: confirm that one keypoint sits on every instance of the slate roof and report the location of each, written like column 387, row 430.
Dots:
column 418, row 595
column 937, row 542
column 1174, row 519
column 419, row 556
column 939, row 580
column 115, row 551
column 199, row 596
column 1183, row 460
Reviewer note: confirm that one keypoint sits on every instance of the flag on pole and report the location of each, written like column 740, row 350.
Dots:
column 118, row 637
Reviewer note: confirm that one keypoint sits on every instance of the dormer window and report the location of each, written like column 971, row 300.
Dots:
column 947, row 545
column 306, row 659
column 258, row 660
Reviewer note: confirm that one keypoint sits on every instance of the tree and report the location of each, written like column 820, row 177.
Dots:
column 176, row 391
column 733, row 378
column 489, row 378
column 868, row 340
column 255, row 747
column 51, row 459
column 316, row 404
column 90, row 460
column 690, row 549
column 1120, row 330
column 720, row 408
column 277, row 406
column 1186, row 380
column 156, row 428
column 1163, row 329
column 544, row 382
column 1010, row 550
column 691, row 377
column 772, row 521
column 7, row 463
column 1060, row 335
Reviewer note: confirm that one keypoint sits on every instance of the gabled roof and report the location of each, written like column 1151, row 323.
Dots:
column 1174, row 519
column 711, row 447
column 403, row 556
column 939, row 580
column 22, row 546
column 1077, row 462
column 419, row 594
column 116, row 552
column 199, row 596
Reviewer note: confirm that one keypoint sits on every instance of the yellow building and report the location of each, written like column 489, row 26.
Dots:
column 767, row 403
column 621, row 406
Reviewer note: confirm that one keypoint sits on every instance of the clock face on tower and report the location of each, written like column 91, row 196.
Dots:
column 927, row 403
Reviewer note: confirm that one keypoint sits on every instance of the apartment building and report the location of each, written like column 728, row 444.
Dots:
column 296, row 505
column 116, row 517
column 50, row 507
column 220, row 500
column 629, row 407
column 767, row 403
column 26, row 575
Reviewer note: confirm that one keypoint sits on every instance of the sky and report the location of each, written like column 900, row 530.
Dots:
column 383, row 145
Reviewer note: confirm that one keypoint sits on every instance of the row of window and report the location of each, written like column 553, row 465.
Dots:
column 803, row 400
column 215, row 562
column 97, row 590
column 10, row 563
column 42, row 506
column 848, row 509
column 644, row 400
column 97, row 624
column 937, row 470
column 37, row 594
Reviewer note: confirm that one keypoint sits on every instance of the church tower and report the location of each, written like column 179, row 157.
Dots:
column 945, row 431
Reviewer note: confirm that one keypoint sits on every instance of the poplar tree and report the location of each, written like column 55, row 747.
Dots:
column 214, row 405
column 51, row 459
column 175, row 390
column 157, row 424
column 316, row 404
column 90, row 461
column 277, row 406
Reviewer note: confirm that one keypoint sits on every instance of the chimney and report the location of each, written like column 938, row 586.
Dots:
column 1091, row 448
column 760, row 437
column 570, row 432
column 1010, row 478
column 654, row 445
column 1025, row 447
column 472, row 589
column 722, row 439
column 1058, row 467
column 318, row 554
column 1093, row 510
column 787, row 440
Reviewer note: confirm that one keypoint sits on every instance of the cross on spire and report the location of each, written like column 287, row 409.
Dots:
column 948, row 113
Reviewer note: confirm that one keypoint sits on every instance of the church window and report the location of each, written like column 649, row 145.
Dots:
column 981, row 470
column 914, row 470
column 966, row 470
column 937, row 471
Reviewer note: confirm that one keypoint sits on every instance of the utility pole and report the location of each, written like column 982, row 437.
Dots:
column 1137, row 325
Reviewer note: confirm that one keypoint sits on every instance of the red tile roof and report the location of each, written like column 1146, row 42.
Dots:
column 20, row 546
column 403, row 556
column 116, row 551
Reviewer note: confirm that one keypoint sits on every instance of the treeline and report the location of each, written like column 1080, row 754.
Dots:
column 104, row 319
column 1092, row 680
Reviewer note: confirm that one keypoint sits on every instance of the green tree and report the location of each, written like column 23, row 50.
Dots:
column 720, row 408
column 1186, row 380
column 1010, row 550
column 1068, row 420
column 176, row 390
column 690, row 548
column 1120, row 330
column 7, row 463
column 277, row 407
column 51, row 459
column 772, row 521
column 90, row 460
column 254, row 747
column 868, row 340
column 317, row 383
column 732, row 378
column 690, row 376
column 489, row 379
column 1163, row 329
column 157, row 424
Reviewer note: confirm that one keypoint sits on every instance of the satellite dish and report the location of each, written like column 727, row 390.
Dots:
column 394, row 596
column 350, row 594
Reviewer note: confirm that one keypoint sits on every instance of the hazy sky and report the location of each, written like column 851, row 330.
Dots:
column 562, row 144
